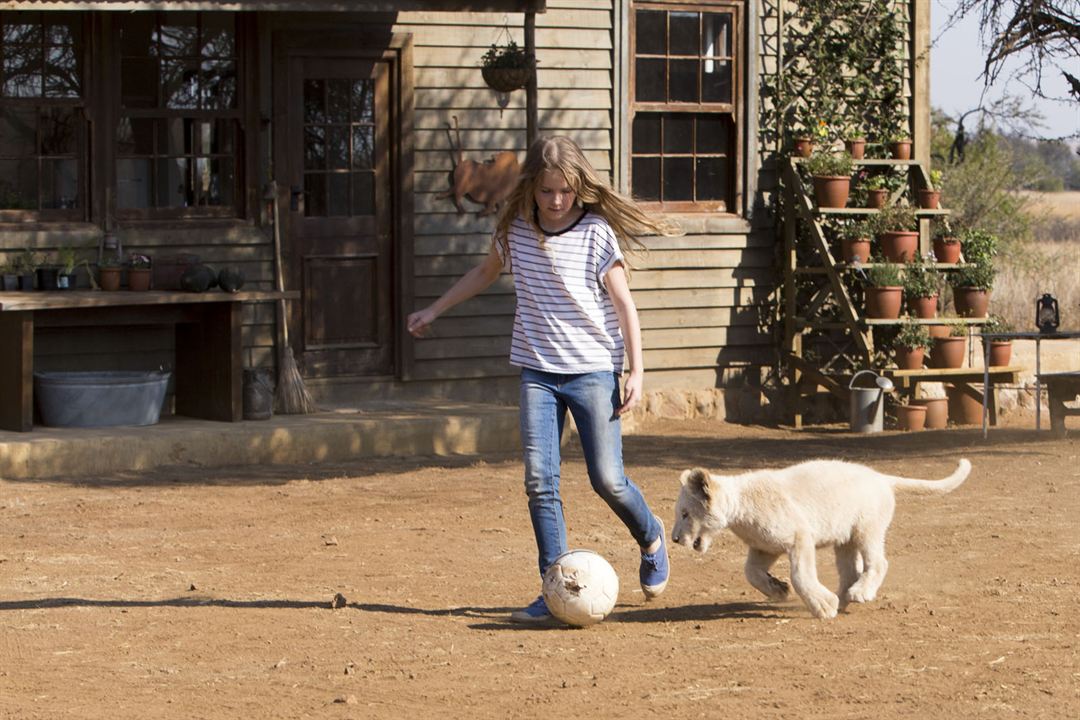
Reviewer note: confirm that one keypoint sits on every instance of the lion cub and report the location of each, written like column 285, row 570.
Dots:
column 795, row 510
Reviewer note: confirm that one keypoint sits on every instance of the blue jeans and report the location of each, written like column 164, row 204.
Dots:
column 592, row 399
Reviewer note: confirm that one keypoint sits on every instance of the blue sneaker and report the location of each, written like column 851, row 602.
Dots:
column 654, row 569
column 536, row 612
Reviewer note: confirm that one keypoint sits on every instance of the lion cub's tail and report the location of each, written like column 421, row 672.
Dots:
column 942, row 486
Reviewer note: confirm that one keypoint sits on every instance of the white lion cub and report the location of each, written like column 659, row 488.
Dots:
column 795, row 510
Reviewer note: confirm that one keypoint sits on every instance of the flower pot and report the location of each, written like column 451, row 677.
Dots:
column 831, row 191
column 909, row 358
column 1000, row 352
column 963, row 409
column 948, row 352
column 938, row 331
column 66, row 281
column 929, row 199
column 46, row 278
column 883, row 303
column 506, row 79
column 900, row 150
column 923, row 307
column 911, row 417
column 855, row 249
column 945, row 251
column 26, row 281
column 139, row 279
column 856, row 148
column 9, row 282
column 899, row 246
column 109, row 278
column 876, row 198
column 971, row 302
column 803, row 147
column 937, row 412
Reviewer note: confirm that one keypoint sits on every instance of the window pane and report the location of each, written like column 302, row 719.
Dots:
column 712, row 179
column 363, row 193
column 684, row 81
column 180, row 84
column 18, row 132
column 649, row 83
column 222, row 139
column 646, row 178
column 649, row 32
column 363, row 147
column 678, row 179
column 222, row 182
column 22, row 71
column 678, row 133
column 337, row 147
column 315, row 195
column 179, row 34
column 138, row 83
column 63, row 28
column 716, row 84
column 713, row 134
column 26, row 32
column 684, row 33
column 18, row 184
column 314, row 101
column 62, row 73
column 314, row 147
column 218, row 30
column 58, row 131
column 176, row 137
column 717, row 35
column 173, row 183
column 60, row 184
column 338, row 100
column 133, row 183
column 646, row 133
column 218, row 85
column 135, row 136
column 363, row 101
column 338, row 194
column 136, row 34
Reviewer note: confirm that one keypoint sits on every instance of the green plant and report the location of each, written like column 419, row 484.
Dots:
column 26, row 262
column 935, row 179
column 509, row 55
column 912, row 335
column 895, row 218
column 876, row 182
column 68, row 259
column 996, row 324
column 884, row 274
column 110, row 262
column 979, row 276
column 921, row 279
column 832, row 164
column 940, row 229
column 957, row 329
column 899, row 135
column 980, row 246
column 855, row 230
column 980, row 249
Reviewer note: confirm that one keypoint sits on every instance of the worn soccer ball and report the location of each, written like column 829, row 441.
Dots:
column 580, row 588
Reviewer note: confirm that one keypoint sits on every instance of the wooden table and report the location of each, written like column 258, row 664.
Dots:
column 1038, row 337
column 209, row 357
column 961, row 378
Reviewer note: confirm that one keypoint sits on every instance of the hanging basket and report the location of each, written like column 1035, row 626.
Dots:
column 506, row 79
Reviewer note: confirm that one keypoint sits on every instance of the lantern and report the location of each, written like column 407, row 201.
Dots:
column 1047, row 317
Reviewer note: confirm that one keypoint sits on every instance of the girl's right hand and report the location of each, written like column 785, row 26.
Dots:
column 419, row 323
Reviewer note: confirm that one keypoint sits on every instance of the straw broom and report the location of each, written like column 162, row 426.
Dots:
column 292, row 397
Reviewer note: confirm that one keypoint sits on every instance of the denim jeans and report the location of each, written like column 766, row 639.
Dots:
column 592, row 399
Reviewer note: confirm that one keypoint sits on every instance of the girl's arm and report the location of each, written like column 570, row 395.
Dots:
column 475, row 281
column 619, row 291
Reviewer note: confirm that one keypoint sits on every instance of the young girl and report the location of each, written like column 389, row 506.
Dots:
column 562, row 233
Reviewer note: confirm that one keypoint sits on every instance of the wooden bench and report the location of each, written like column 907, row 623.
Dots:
column 961, row 378
column 1061, row 387
column 208, row 343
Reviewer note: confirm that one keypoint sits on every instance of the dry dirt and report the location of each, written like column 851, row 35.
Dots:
column 206, row 593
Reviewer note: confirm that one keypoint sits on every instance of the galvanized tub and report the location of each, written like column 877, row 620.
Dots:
column 100, row 398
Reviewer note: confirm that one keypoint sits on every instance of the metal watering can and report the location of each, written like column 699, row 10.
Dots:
column 868, row 403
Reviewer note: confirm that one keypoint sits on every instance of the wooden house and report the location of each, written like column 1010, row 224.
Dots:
column 163, row 128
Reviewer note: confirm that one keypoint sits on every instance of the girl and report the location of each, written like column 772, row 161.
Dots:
column 562, row 233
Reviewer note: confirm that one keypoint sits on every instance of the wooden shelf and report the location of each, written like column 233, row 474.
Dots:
column 854, row 212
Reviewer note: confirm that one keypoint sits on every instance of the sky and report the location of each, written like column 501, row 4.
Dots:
column 956, row 59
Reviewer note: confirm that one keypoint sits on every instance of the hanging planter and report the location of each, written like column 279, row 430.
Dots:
column 506, row 67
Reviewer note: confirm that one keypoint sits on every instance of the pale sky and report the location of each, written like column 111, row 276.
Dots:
column 956, row 59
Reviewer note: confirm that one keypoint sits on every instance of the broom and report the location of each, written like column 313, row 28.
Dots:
column 292, row 397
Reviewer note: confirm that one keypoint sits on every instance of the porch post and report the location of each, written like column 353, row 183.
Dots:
column 530, row 89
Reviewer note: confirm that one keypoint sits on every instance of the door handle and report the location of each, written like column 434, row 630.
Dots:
column 296, row 197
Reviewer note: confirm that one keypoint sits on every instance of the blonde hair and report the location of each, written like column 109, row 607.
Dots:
column 559, row 152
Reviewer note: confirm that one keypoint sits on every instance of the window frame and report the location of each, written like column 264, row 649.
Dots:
column 732, row 109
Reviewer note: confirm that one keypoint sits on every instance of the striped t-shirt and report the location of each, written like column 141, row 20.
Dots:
column 565, row 321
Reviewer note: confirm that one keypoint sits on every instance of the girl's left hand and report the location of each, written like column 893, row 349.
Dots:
column 631, row 392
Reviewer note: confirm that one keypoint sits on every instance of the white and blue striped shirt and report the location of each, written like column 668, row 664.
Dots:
column 565, row 321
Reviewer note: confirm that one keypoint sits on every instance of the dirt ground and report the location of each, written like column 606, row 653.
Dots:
column 193, row 593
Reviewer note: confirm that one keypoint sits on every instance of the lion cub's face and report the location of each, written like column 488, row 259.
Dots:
column 694, row 525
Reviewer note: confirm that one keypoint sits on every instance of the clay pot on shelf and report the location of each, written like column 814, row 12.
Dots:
column 971, row 302
column 911, row 417
column 877, row 198
column 937, row 412
column 858, row 248
column 948, row 352
column 831, row 191
column 924, row 307
column 929, row 199
column 884, row 303
column 856, row 148
column 909, row 358
column 139, row 279
column 1000, row 352
column 899, row 246
column 947, row 249
column 900, row 150
column 963, row 409
column 109, row 278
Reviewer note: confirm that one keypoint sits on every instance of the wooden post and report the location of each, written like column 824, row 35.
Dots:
column 920, row 46
column 531, row 113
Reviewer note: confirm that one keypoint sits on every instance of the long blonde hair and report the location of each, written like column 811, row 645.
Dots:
column 559, row 152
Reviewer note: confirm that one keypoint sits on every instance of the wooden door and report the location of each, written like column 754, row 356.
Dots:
column 340, row 241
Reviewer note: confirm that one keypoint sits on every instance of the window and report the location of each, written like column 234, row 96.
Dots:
column 42, row 126
column 178, row 136
column 684, row 128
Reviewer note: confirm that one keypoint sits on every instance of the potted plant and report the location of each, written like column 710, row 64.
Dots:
column 897, row 232
column 25, row 265
column 139, row 269
column 47, row 273
column 900, row 145
column 877, row 191
column 884, row 290
column 948, row 351
column 808, row 134
column 946, row 243
column 911, row 418
column 109, row 271
column 68, row 258
column 922, row 285
column 972, row 281
column 930, row 198
column 854, row 142
column 855, row 242
column 1000, row 350
column 831, row 173
column 910, row 344
column 506, row 67
column 9, row 279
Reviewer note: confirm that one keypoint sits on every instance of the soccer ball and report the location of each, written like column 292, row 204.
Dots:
column 580, row 588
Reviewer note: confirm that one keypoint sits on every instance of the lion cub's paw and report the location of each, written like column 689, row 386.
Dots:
column 778, row 589
column 858, row 594
column 824, row 606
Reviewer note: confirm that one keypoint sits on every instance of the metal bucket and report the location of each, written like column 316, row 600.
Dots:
column 868, row 404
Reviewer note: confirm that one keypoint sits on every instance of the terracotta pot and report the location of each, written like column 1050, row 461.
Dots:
column 947, row 252
column 948, row 352
column 899, row 246
column 858, row 248
column 938, row 331
column 831, row 191
column 963, row 409
column 884, row 302
column 937, row 412
column 877, row 198
column 971, row 302
column 924, row 307
column 804, row 147
column 909, row 358
column 1000, row 352
column 139, row 279
column 109, row 278
column 856, row 147
column 900, row 150
column 929, row 199
column 911, row 417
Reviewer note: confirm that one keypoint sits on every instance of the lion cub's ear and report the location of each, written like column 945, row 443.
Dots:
column 696, row 481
